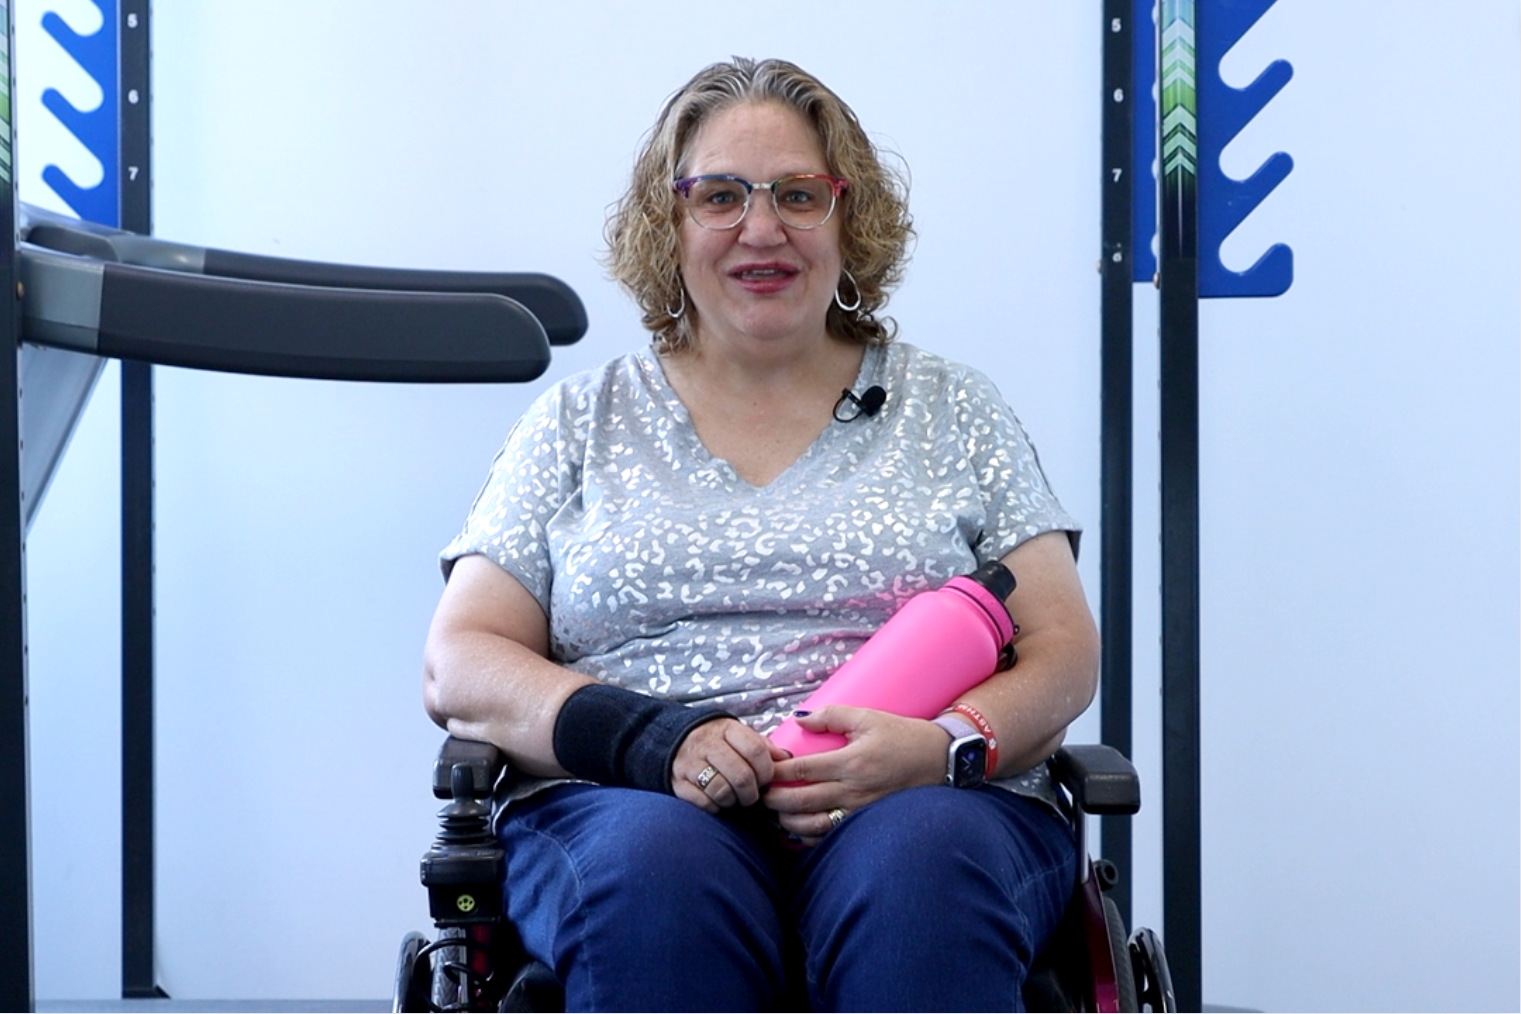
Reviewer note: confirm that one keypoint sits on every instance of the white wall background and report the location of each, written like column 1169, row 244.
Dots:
column 1360, row 459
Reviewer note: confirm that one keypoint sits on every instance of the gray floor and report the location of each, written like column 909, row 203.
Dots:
column 113, row 1006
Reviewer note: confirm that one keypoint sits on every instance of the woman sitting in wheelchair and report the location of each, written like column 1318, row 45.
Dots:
column 672, row 552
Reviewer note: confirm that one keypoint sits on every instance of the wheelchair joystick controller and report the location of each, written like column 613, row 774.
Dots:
column 463, row 870
column 939, row 645
column 463, row 873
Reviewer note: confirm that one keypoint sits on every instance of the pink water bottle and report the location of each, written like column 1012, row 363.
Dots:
column 933, row 650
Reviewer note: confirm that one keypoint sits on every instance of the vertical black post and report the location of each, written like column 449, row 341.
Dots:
column 16, row 981
column 137, row 966
column 138, row 979
column 1117, row 414
column 1179, row 390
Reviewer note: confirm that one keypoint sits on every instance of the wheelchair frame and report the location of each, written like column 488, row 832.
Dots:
column 477, row 963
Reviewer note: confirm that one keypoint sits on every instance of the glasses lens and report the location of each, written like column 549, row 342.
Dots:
column 804, row 202
column 717, row 203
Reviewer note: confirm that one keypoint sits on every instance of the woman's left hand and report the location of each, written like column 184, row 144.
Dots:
column 885, row 753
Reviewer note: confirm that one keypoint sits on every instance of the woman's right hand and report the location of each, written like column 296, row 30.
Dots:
column 742, row 761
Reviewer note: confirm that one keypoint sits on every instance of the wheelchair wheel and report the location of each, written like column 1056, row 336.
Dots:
column 414, row 978
column 534, row 988
column 455, row 984
column 1152, row 979
column 1124, row 974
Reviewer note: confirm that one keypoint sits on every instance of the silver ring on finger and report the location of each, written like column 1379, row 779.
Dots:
column 705, row 776
column 836, row 817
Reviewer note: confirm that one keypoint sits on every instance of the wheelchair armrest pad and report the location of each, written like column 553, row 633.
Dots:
column 484, row 760
column 1098, row 778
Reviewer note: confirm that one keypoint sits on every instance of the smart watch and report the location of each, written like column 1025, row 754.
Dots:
column 966, row 759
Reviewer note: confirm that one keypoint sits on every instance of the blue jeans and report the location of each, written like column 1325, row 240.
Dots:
column 930, row 899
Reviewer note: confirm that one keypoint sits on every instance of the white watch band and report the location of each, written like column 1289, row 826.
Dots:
column 958, row 727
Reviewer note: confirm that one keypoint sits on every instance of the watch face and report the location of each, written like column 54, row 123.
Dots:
column 969, row 761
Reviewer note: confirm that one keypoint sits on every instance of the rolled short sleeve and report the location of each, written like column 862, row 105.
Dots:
column 533, row 477
column 1017, row 497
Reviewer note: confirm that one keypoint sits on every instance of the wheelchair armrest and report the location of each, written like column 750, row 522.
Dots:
column 484, row 761
column 1098, row 778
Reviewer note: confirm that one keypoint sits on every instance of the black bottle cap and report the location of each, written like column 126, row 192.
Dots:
column 996, row 578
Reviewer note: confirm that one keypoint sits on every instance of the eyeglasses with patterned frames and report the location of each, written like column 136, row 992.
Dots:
column 720, row 201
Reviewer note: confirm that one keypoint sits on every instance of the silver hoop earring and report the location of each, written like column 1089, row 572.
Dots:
column 677, row 313
column 840, row 302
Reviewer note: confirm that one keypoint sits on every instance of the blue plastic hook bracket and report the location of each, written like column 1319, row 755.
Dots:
column 96, row 129
column 1223, row 111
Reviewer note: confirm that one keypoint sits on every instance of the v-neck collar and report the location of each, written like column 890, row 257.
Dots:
column 720, row 468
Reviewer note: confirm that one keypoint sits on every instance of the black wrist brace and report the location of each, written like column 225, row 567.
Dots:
column 617, row 737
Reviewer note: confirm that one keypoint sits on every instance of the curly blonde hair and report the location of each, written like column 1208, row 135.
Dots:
column 643, row 252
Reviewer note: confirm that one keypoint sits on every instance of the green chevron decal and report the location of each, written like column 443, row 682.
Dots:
column 1180, row 127
column 5, row 95
column 1180, row 140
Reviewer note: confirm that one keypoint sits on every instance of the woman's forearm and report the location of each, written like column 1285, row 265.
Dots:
column 486, row 675
column 1030, row 706
column 483, row 687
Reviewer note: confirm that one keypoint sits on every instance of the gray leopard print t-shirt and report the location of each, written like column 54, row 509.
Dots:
column 664, row 572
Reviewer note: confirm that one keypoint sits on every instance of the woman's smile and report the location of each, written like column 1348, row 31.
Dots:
column 764, row 278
